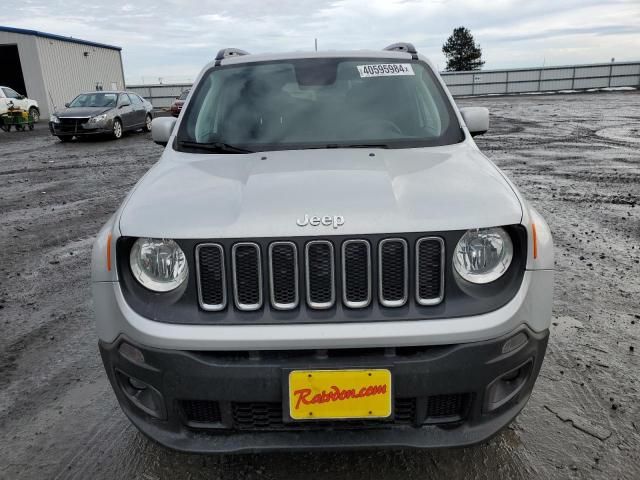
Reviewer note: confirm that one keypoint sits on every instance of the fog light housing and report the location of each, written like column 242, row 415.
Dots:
column 137, row 384
column 142, row 395
column 507, row 386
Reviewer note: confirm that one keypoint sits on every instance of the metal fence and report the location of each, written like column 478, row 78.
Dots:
column 485, row 82
column 160, row 96
column 546, row 79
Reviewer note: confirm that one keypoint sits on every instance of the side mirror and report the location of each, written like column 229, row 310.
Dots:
column 161, row 129
column 21, row 97
column 125, row 104
column 67, row 104
column 476, row 119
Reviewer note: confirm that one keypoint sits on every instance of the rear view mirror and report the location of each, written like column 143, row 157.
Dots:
column 476, row 119
column 161, row 129
column 67, row 104
column 124, row 104
column 21, row 97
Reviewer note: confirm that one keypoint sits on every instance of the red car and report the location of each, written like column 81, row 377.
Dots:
column 176, row 106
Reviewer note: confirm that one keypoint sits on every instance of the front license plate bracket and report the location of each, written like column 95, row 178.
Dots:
column 338, row 394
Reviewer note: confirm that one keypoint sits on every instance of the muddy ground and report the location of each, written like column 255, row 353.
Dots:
column 575, row 157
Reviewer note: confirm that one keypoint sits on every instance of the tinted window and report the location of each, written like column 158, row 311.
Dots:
column 124, row 98
column 135, row 99
column 314, row 103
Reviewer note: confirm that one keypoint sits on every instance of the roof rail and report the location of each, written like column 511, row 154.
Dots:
column 229, row 52
column 403, row 47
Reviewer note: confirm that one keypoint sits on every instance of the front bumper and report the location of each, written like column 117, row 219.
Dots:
column 103, row 127
column 203, row 401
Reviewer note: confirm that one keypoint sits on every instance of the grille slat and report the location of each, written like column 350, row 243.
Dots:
column 320, row 274
column 429, row 270
column 283, row 273
column 212, row 289
column 405, row 410
column 356, row 273
column 247, row 276
column 393, row 272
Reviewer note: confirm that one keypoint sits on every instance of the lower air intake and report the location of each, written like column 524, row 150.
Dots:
column 201, row 411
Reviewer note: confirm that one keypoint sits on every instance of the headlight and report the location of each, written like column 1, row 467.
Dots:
column 483, row 255
column 54, row 119
column 158, row 264
column 98, row 118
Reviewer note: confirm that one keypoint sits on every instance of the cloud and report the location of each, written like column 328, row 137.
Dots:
column 173, row 39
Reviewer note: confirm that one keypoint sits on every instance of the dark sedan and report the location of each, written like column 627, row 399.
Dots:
column 101, row 112
column 178, row 103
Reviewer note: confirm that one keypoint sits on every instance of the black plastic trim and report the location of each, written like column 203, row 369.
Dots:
column 225, row 378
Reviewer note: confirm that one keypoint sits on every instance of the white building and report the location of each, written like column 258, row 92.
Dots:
column 53, row 69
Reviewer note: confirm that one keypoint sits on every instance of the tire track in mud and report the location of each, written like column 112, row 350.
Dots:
column 56, row 168
column 49, row 347
column 589, row 197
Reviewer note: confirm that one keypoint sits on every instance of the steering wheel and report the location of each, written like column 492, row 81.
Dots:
column 381, row 124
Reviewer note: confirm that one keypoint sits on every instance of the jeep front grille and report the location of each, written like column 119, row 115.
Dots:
column 318, row 273
column 212, row 285
column 247, row 276
column 429, row 274
column 394, row 272
column 283, row 275
column 356, row 273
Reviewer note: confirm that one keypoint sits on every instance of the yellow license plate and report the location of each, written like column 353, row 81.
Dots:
column 339, row 394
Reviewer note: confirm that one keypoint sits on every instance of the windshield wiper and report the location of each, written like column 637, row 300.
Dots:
column 214, row 147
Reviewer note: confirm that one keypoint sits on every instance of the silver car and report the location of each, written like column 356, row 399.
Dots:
column 102, row 112
column 322, row 258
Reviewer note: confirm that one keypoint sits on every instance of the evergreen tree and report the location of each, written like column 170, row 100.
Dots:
column 462, row 52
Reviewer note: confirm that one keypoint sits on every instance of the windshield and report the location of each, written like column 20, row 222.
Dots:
column 97, row 99
column 320, row 103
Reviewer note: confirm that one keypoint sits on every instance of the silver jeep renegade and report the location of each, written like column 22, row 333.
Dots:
column 322, row 258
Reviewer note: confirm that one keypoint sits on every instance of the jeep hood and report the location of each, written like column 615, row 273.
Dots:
column 263, row 194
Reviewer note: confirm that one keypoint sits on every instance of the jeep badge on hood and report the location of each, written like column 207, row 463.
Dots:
column 327, row 220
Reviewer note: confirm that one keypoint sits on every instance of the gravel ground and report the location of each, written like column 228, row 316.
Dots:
column 574, row 156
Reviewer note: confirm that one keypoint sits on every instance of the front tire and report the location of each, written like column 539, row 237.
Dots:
column 147, row 124
column 116, row 132
column 35, row 114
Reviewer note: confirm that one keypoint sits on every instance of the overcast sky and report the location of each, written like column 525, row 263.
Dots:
column 173, row 39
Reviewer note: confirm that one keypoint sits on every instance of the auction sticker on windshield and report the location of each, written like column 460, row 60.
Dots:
column 385, row 70
column 339, row 394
